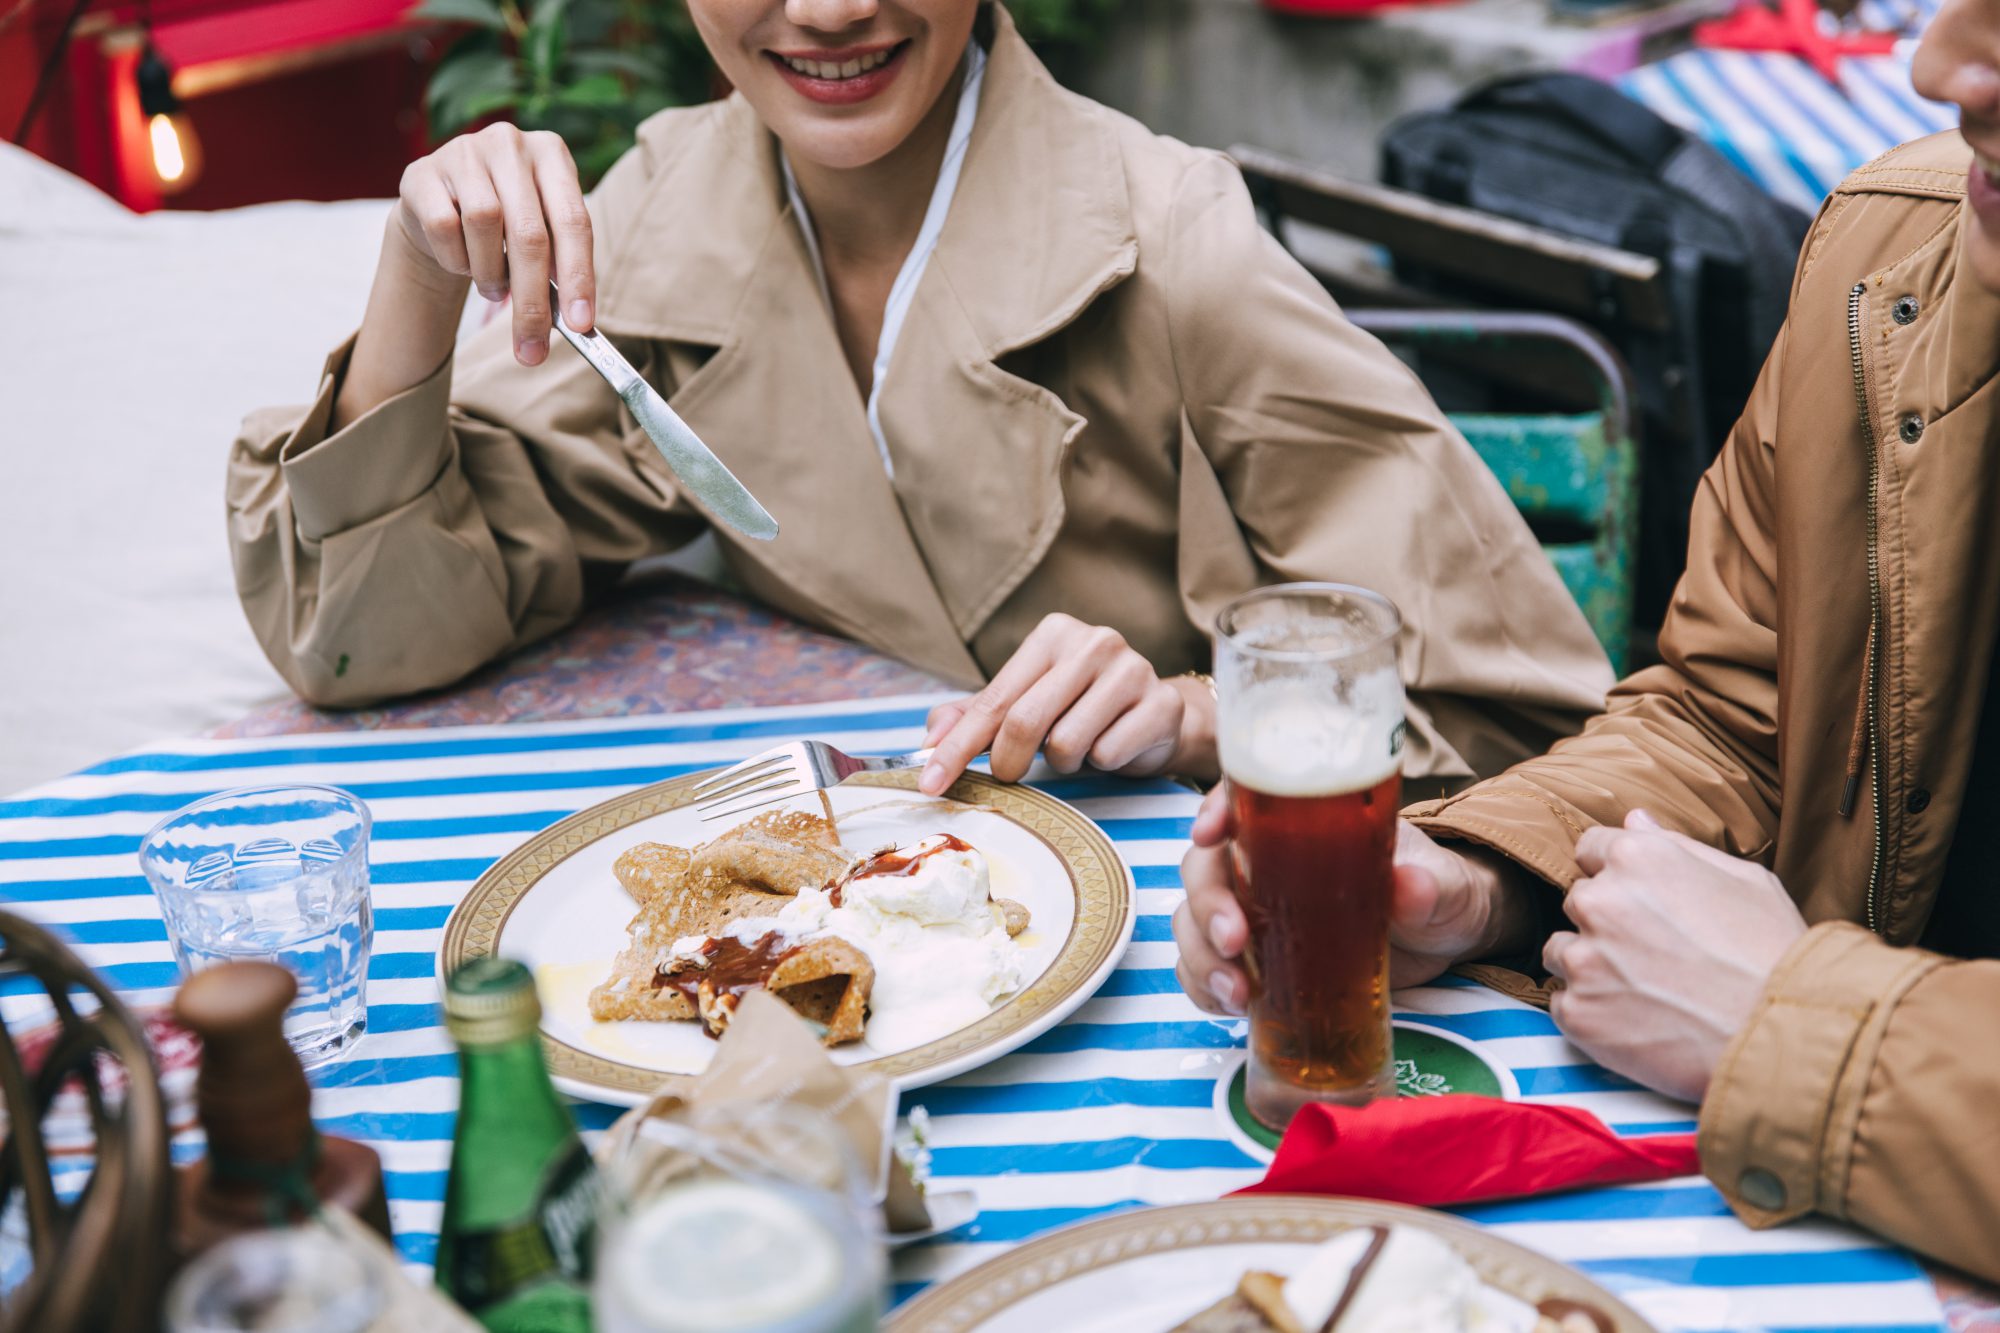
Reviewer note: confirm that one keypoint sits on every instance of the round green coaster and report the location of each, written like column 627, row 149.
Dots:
column 1429, row 1063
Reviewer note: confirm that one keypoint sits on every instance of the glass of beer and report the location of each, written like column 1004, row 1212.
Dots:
column 1310, row 727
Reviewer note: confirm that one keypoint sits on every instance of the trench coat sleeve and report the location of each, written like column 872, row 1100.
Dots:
column 1693, row 740
column 457, row 520
column 1861, row 1089
column 1336, row 465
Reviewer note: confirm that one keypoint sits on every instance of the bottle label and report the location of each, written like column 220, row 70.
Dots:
column 553, row 1240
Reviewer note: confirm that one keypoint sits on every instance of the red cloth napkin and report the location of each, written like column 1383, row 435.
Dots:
column 1793, row 27
column 1433, row 1151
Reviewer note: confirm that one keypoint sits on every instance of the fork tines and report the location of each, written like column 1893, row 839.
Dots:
column 759, row 780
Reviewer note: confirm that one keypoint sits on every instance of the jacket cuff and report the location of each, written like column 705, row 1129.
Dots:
column 1521, row 824
column 377, row 463
column 1778, row 1123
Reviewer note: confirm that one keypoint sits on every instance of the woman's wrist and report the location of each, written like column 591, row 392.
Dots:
column 409, row 329
column 1195, row 753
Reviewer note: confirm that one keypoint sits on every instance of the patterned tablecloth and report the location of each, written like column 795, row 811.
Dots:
column 1123, row 1104
column 1782, row 122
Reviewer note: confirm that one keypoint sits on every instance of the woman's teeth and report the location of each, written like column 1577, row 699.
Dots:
column 1990, row 166
column 846, row 69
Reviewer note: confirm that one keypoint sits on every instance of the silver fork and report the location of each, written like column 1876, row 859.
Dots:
column 790, row 770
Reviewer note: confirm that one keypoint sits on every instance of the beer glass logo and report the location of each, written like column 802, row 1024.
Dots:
column 1396, row 735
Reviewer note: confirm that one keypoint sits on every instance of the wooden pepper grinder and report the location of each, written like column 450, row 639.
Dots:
column 267, row 1165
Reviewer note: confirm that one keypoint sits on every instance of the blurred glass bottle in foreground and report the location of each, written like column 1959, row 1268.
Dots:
column 267, row 1165
column 520, row 1206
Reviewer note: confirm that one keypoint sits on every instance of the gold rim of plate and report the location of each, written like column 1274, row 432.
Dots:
column 1104, row 908
column 977, row 1295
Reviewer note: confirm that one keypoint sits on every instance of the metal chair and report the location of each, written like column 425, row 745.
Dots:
column 99, row 1258
column 1570, row 463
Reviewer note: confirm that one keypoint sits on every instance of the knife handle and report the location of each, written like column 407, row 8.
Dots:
column 596, row 349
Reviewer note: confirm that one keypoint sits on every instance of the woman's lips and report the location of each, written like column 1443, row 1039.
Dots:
column 841, row 77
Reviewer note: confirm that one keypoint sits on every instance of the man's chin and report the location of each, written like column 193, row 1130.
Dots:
column 1980, row 246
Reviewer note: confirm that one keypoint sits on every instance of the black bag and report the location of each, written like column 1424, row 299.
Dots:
column 1572, row 155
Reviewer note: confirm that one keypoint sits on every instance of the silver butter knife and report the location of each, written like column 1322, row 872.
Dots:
column 692, row 461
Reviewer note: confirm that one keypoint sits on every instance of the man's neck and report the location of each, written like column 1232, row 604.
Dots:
column 871, row 215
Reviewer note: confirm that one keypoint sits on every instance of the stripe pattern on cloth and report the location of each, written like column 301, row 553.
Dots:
column 1787, row 128
column 1111, row 1109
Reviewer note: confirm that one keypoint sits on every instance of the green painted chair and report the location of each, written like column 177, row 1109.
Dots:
column 1574, row 472
column 1573, row 475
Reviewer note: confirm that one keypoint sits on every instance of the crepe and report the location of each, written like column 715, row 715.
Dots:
column 1256, row 1306
column 781, row 851
column 651, row 867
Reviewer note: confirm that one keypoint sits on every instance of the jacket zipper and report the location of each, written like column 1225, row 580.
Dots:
column 1874, row 665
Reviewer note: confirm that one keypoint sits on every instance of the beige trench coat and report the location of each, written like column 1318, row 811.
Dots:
column 1114, row 396
column 1853, row 508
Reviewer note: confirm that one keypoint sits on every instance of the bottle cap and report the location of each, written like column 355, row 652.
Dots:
column 489, row 1001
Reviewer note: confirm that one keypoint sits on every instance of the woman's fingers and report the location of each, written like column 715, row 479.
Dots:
column 1031, row 717
column 528, row 245
column 427, row 202
column 1143, row 740
column 980, row 717
column 569, row 227
column 941, row 720
column 1112, row 695
column 482, row 223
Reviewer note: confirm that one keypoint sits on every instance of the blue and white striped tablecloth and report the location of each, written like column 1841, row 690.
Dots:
column 1783, row 124
column 1111, row 1109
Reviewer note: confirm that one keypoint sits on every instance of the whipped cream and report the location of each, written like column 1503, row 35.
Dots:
column 1415, row 1284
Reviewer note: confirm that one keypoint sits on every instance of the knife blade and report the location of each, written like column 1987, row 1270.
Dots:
column 692, row 461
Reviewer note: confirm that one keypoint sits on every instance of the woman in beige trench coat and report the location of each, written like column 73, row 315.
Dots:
column 1027, row 389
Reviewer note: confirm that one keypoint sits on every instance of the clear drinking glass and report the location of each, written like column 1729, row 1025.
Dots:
column 291, row 1280
column 278, row 874
column 789, row 1240
column 1310, row 730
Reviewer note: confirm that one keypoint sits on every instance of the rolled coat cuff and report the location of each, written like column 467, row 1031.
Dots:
column 1522, row 824
column 376, row 464
column 1777, row 1126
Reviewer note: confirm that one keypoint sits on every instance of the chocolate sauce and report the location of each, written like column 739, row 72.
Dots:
column 733, row 967
column 1356, row 1276
column 893, row 864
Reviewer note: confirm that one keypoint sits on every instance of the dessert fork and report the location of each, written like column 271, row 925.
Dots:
column 785, row 771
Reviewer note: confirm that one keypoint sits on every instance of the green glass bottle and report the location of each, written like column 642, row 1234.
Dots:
column 520, row 1207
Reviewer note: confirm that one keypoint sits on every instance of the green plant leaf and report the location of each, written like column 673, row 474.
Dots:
column 639, row 66
column 484, row 13
column 462, row 88
column 604, row 91
column 543, row 47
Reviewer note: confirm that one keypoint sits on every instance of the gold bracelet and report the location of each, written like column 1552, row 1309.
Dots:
column 1205, row 679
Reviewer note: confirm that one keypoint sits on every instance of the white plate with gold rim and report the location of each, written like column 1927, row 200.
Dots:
column 1148, row 1270
column 554, row 904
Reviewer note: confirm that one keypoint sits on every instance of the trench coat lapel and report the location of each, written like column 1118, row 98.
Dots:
column 1039, row 227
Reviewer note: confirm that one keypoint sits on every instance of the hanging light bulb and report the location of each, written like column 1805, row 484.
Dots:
column 176, row 154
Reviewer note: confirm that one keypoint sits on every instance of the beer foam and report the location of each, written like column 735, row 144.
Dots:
column 1285, row 738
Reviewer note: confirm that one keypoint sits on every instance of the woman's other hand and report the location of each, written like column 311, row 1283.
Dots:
column 504, row 207
column 1080, row 694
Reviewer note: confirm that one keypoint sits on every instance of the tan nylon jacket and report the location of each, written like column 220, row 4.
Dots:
column 1115, row 396
column 1854, row 504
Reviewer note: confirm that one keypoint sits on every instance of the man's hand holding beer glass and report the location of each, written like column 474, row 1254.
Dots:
column 1447, row 907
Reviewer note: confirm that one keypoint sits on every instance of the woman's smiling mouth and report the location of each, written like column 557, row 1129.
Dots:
column 842, row 75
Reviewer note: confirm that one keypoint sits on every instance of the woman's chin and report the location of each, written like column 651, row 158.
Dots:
column 839, row 143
